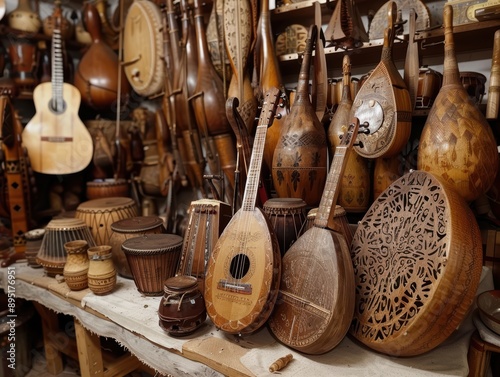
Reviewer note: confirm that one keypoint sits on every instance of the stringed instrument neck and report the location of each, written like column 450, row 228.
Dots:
column 57, row 101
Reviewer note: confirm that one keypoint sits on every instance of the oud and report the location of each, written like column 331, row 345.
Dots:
column 243, row 272
column 56, row 139
column 316, row 298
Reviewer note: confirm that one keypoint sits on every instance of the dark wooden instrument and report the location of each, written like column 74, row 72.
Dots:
column 412, row 64
column 300, row 158
column 417, row 263
column 209, row 103
column 24, row 59
column 429, row 84
column 346, row 29
column 143, row 61
column 56, row 139
column 269, row 76
column 316, row 297
column 383, row 102
column 243, row 273
column 493, row 101
column 97, row 73
column 320, row 75
column 354, row 191
column 16, row 177
column 457, row 142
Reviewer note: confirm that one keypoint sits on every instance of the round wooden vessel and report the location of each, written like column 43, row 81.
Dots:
column 143, row 48
column 429, row 84
column 417, row 259
column 287, row 216
column 101, row 274
column 182, row 307
column 474, row 85
column 128, row 228
column 105, row 188
column 77, row 264
column 100, row 213
column 152, row 258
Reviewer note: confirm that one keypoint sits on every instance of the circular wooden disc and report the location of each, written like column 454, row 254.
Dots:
column 379, row 22
column 417, row 257
column 143, row 48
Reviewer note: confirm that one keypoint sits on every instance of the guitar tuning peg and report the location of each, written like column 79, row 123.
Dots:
column 278, row 116
column 358, row 144
column 364, row 130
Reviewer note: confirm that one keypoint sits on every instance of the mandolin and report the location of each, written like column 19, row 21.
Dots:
column 243, row 272
column 56, row 139
column 315, row 304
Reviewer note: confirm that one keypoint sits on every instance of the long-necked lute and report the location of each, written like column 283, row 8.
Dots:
column 316, row 298
column 56, row 139
column 243, row 272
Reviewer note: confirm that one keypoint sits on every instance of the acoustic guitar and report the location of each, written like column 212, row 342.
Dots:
column 315, row 304
column 56, row 139
column 243, row 272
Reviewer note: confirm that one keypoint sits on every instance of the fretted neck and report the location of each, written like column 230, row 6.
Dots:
column 253, row 176
column 57, row 71
column 331, row 190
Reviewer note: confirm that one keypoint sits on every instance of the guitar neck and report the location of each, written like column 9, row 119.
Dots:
column 253, row 176
column 57, row 70
column 331, row 190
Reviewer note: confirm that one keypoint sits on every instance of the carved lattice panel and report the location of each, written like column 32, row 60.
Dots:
column 417, row 260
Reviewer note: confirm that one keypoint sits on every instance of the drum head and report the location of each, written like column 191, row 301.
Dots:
column 417, row 257
column 115, row 202
column 143, row 48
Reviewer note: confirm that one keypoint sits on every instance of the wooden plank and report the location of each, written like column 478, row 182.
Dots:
column 89, row 352
column 219, row 354
column 121, row 366
column 50, row 327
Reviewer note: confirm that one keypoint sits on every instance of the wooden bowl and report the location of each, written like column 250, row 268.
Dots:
column 488, row 304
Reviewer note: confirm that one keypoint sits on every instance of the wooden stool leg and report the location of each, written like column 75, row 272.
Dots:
column 50, row 327
column 478, row 356
column 89, row 352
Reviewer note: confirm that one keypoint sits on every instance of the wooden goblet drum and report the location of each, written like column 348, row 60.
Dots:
column 417, row 260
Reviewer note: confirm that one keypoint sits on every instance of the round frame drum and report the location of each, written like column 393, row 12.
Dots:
column 100, row 213
column 287, row 216
column 127, row 228
column 417, row 257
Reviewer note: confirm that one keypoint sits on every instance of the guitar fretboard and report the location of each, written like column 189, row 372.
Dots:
column 57, row 71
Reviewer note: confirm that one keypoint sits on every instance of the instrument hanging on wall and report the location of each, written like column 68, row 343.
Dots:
column 268, row 75
column 24, row 59
column 207, row 220
column 97, row 73
column 243, row 272
column 292, row 40
column 24, row 18
column 143, row 48
column 16, row 175
column 354, row 191
column 56, row 139
column 300, row 159
column 320, row 72
column 493, row 102
column 110, row 32
column 383, row 102
column 417, row 259
column 378, row 24
column 412, row 63
column 215, row 41
column 457, row 142
column 346, row 29
column 316, row 296
column 209, row 108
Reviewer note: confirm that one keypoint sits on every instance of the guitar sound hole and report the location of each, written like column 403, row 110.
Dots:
column 240, row 265
column 57, row 107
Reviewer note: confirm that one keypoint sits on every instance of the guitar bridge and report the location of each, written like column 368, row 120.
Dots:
column 242, row 288
column 57, row 139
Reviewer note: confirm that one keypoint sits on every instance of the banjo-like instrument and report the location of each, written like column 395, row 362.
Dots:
column 243, row 272
column 316, row 298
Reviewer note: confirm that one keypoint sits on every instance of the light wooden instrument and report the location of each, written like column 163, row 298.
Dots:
column 417, row 259
column 354, row 192
column 316, row 298
column 493, row 102
column 207, row 220
column 243, row 273
column 300, row 159
column 346, row 29
column 457, row 142
column 383, row 102
column 56, row 139
column 143, row 48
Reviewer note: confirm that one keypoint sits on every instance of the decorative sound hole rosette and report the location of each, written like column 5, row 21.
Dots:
column 417, row 260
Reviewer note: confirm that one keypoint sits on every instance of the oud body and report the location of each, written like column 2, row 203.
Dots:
column 457, row 142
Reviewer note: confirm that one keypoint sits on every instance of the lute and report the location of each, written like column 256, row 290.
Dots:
column 315, row 304
column 243, row 272
column 56, row 139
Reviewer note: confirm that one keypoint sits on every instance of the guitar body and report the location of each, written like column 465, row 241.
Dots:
column 315, row 304
column 243, row 274
column 57, row 143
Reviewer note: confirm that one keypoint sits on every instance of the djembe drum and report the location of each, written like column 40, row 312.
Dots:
column 100, row 213
column 287, row 216
column 417, row 260
column 128, row 228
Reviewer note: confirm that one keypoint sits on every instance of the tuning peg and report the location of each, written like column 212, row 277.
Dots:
column 358, row 144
